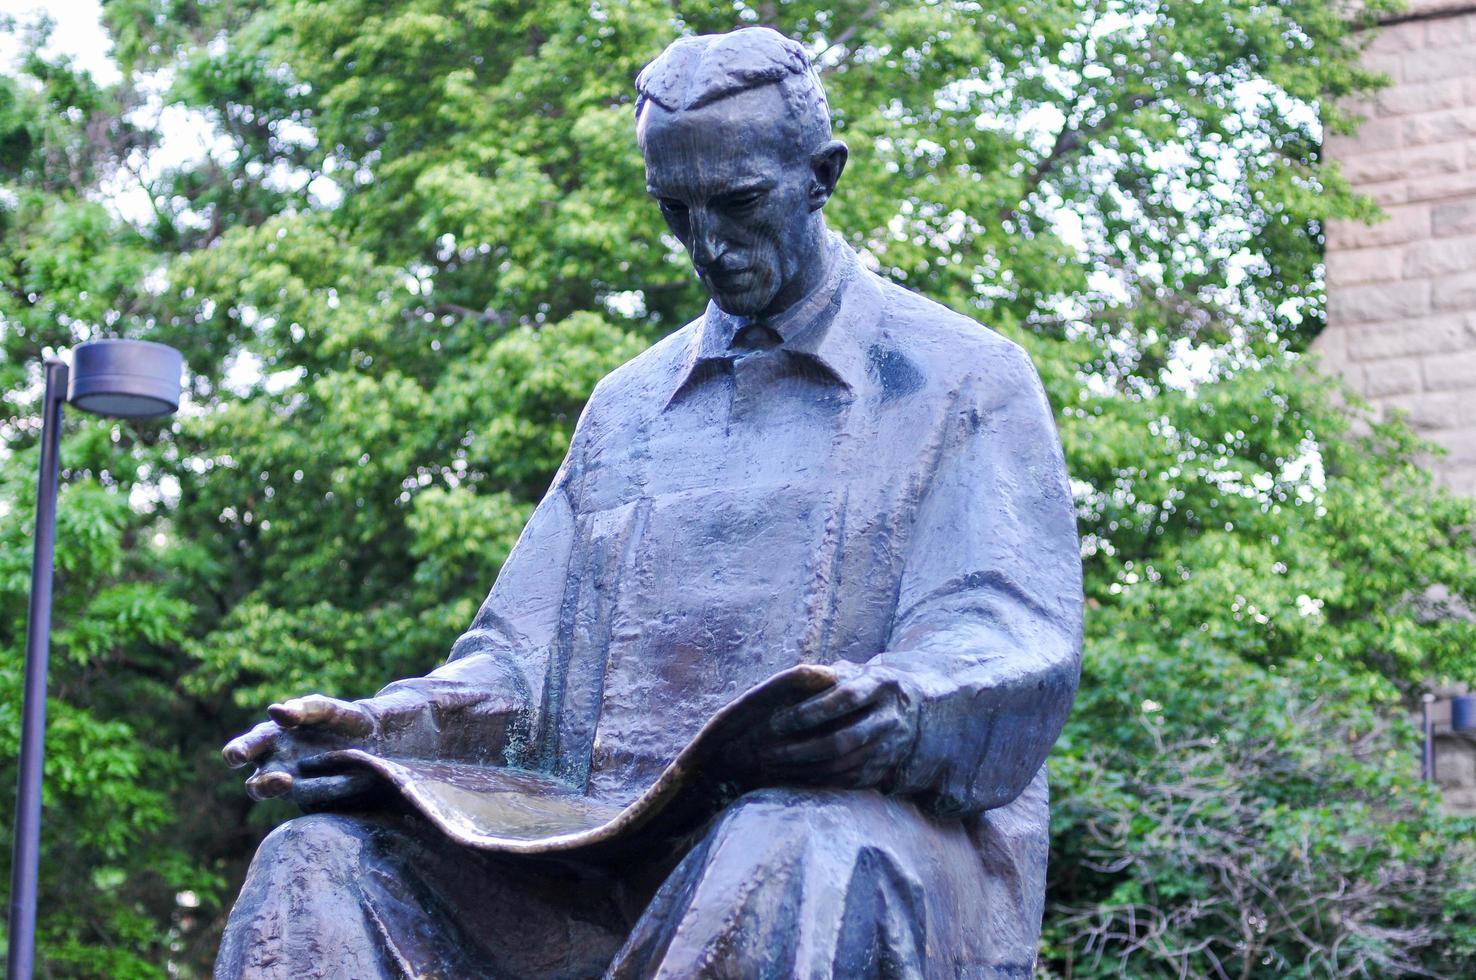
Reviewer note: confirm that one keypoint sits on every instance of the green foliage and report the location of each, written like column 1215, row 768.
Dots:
column 1237, row 820
column 419, row 238
column 109, row 862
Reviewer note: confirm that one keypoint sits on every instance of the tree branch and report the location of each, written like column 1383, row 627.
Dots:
column 1070, row 141
column 867, row 19
column 467, row 313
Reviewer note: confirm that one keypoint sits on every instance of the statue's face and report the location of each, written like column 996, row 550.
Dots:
column 738, row 189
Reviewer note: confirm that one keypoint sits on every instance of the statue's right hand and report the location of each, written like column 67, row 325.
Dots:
column 284, row 748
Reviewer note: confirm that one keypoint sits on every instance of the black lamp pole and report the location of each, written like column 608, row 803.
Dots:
column 1427, row 749
column 119, row 379
column 33, row 712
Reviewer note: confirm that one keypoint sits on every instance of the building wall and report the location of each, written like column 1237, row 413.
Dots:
column 1402, row 294
column 1401, row 323
column 1455, row 758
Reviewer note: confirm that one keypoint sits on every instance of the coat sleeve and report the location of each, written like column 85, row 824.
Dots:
column 987, row 634
column 476, row 707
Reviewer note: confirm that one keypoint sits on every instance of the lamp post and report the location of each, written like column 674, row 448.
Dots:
column 117, row 379
column 1427, row 749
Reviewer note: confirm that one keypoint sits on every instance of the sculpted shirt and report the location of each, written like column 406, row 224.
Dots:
column 870, row 477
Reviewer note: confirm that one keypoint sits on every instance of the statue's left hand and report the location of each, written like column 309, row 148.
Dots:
column 285, row 748
column 852, row 736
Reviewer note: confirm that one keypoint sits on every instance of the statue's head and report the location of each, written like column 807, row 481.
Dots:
column 735, row 131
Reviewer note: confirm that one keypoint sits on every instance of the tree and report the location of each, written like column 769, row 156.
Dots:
column 420, row 238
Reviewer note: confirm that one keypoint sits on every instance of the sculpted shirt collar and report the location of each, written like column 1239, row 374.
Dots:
column 811, row 330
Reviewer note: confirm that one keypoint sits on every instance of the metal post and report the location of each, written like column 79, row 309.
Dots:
column 26, row 865
column 1427, row 762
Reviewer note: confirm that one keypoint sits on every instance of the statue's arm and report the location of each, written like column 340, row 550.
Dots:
column 480, row 700
column 988, row 630
column 473, row 708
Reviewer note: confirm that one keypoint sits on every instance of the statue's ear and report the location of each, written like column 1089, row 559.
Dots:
column 826, row 163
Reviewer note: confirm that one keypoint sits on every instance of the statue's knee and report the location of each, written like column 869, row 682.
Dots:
column 795, row 797
column 794, row 811
column 326, row 840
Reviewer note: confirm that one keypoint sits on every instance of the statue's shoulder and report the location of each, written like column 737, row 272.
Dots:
column 949, row 349
column 645, row 382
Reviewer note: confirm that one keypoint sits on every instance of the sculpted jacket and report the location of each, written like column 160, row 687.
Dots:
column 871, row 477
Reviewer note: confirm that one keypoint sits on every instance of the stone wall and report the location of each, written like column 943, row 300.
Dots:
column 1401, row 323
column 1455, row 771
column 1402, row 294
column 1455, row 757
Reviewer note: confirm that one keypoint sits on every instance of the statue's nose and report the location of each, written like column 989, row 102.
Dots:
column 707, row 247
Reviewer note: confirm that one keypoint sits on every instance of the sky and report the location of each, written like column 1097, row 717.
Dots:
column 78, row 33
column 187, row 136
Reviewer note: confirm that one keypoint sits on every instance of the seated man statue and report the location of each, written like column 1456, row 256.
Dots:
column 824, row 468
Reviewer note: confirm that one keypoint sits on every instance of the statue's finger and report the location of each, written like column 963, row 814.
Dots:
column 293, row 712
column 832, row 746
column 866, row 766
column 323, row 764
column 850, row 768
column 319, row 710
column 269, row 784
column 863, row 773
column 847, row 771
column 332, row 789
column 347, row 718
column 250, row 746
column 824, row 708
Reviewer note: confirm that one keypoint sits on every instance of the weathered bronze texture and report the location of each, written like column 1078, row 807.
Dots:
column 823, row 469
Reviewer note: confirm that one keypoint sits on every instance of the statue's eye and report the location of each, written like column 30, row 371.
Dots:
column 672, row 206
column 745, row 202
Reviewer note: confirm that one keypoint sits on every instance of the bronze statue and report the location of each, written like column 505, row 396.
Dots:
column 822, row 469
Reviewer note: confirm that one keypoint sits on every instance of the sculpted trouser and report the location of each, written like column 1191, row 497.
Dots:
column 785, row 884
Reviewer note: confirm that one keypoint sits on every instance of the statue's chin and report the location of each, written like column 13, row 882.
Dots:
column 746, row 303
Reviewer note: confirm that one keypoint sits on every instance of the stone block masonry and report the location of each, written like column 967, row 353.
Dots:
column 1455, row 756
column 1402, row 293
column 1401, row 311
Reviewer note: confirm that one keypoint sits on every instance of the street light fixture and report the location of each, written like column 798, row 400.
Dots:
column 116, row 379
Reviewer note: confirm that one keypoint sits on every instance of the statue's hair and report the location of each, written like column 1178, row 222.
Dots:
column 696, row 71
